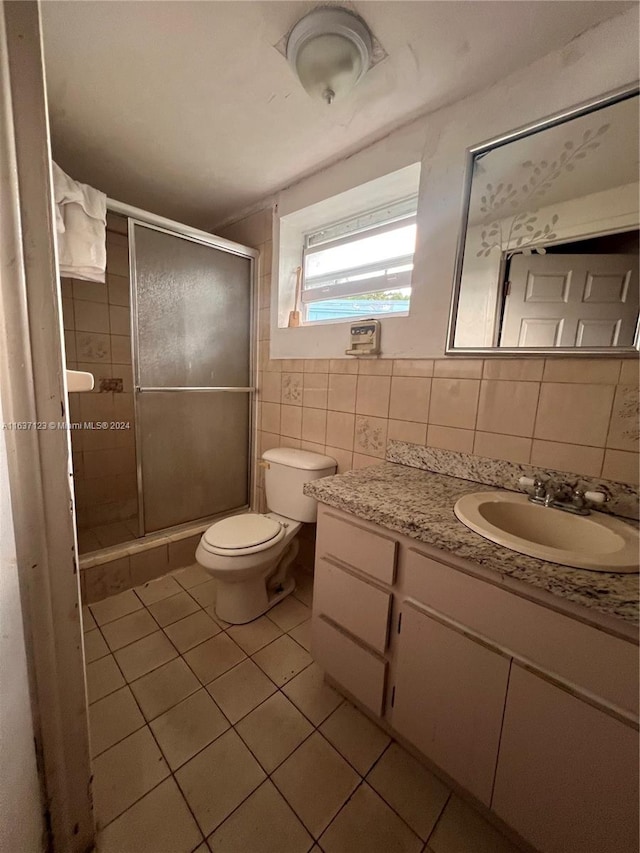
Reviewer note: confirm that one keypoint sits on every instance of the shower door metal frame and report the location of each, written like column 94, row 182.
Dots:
column 134, row 217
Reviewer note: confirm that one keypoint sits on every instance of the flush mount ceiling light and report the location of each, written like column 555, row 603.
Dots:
column 330, row 50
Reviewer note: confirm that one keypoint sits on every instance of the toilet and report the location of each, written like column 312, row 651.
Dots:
column 250, row 554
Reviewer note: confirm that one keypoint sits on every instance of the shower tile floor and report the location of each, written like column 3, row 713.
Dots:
column 214, row 737
column 106, row 535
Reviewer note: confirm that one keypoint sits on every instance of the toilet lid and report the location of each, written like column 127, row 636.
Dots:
column 242, row 531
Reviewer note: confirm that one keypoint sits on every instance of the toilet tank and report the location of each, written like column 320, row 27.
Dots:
column 286, row 472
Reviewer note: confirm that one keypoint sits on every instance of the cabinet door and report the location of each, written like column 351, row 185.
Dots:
column 450, row 692
column 359, row 607
column 567, row 775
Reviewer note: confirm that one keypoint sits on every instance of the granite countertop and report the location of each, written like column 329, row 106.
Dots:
column 419, row 504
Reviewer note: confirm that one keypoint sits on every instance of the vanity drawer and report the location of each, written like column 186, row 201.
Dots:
column 373, row 554
column 361, row 672
column 358, row 606
column 577, row 653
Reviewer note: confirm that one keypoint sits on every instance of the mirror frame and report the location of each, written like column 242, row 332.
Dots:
column 471, row 153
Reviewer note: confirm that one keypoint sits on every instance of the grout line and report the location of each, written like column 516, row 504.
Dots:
column 439, row 818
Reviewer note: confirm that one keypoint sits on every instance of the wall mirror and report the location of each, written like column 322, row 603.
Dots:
column 548, row 252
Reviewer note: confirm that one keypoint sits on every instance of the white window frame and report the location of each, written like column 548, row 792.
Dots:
column 367, row 224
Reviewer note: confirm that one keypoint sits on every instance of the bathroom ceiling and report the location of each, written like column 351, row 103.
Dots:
column 188, row 110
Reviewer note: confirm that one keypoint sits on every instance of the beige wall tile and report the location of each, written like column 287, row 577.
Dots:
column 107, row 579
column 573, row 458
column 622, row 466
column 343, row 365
column 265, row 291
column 409, row 399
column 292, row 389
column 344, row 458
column 508, row 407
column 590, row 370
column 118, row 290
column 120, row 349
column 182, row 552
column 67, row 313
column 523, row 369
column 315, row 390
column 623, row 430
column 269, row 440
column 292, row 365
column 340, row 429
column 313, row 446
column 370, row 437
column 287, row 441
column 264, row 321
column 291, row 421
column 458, row 368
column 413, row 367
column 415, row 433
column 316, row 365
column 454, row 402
column 150, row 564
column 360, row 460
column 119, row 320
column 118, row 258
column 496, row 446
column 314, row 425
column 93, row 347
column 270, row 417
column 271, row 387
column 375, row 366
column 342, row 393
column 372, row 395
column 450, row 438
column 574, row 413
column 630, row 371
column 92, row 291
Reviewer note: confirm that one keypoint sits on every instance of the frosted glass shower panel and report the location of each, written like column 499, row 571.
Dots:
column 194, row 455
column 193, row 311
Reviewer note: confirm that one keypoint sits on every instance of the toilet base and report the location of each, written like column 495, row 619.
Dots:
column 239, row 603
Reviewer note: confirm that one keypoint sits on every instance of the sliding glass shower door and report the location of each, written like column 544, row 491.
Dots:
column 192, row 317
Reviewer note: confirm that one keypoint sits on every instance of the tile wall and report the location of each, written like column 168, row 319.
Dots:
column 578, row 415
column 97, row 339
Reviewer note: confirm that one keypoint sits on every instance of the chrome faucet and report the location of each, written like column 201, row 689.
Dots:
column 548, row 493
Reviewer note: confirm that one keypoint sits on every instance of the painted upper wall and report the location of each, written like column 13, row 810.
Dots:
column 602, row 59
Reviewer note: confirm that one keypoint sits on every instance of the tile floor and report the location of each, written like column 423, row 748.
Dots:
column 211, row 737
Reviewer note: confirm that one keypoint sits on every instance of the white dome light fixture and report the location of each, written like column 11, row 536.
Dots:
column 330, row 50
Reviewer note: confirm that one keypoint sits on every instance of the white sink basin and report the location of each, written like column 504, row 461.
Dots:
column 597, row 542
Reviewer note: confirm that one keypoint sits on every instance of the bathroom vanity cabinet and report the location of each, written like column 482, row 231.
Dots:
column 527, row 706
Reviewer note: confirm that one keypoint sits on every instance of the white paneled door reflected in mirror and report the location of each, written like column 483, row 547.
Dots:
column 548, row 251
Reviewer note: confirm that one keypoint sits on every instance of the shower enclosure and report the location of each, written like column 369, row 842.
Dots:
column 192, row 372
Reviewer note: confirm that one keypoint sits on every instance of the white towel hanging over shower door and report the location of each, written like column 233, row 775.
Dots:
column 81, row 215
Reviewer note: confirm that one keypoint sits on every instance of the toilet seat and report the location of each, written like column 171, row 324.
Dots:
column 238, row 535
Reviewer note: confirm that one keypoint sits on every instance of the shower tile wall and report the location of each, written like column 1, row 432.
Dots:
column 97, row 339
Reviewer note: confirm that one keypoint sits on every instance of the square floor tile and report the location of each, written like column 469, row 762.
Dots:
column 124, row 773
column 213, row 657
column 158, row 823
column 171, row 609
column 316, row 782
column 302, row 634
column 112, row 719
column 355, row 737
column 158, row 589
column 144, row 655
column 273, row 730
column 282, row 659
column 408, row 787
column 367, row 825
column 191, row 576
column 204, row 593
column 126, row 630
column 241, row 689
column 304, row 586
column 188, row 727
column 218, row 779
column 211, row 610
column 311, row 695
column 461, row 828
column 88, row 622
column 94, row 646
column 289, row 613
column 254, row 635
column 103, row 677
column 115, row 606
column 191, row 631
column 264, row 823
column 164, row 687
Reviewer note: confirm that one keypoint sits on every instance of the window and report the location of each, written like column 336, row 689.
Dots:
column 360, row 267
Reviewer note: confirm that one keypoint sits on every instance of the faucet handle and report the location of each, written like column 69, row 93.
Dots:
column 540, row 486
